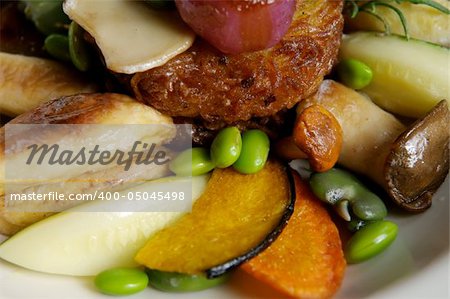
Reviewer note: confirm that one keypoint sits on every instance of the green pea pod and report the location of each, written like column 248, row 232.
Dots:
column 177, row 282
column 336, row 186
column 47, row 16
column 121, row 281
column 78, row 49
column 354, row 73
column 370, row 240
column 195, row 161
column 57, row 45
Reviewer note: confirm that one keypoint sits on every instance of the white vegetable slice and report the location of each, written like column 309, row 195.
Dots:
column 409, row 76
column 82, row 243
column 131, row 36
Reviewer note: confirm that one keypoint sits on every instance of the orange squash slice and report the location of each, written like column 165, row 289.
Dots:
column 236, row 218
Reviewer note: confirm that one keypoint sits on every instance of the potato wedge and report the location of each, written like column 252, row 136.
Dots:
column 26, row 82
column 306, row 261
column 237, row 217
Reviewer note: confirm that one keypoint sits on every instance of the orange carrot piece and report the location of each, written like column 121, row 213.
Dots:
column 306, row 261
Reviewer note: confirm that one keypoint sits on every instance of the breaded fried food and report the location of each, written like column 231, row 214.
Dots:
column 203, row 83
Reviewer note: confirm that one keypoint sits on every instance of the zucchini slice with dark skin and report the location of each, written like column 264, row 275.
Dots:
column 236, row 218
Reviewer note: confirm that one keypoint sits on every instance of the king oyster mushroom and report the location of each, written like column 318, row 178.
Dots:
column 83, row 109
column 409, row 162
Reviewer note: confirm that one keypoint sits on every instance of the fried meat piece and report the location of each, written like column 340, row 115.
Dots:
column 219, row 90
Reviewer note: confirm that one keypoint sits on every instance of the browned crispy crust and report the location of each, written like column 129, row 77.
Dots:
column 220, row 89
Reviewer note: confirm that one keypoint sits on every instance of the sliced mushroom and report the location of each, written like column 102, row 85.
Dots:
column 410, row 163
column 419, row 160
column 317, row 136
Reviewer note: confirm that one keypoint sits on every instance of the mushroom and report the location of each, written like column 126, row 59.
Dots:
column 317, row 136
column 419, row 160
column 76, row 178
column 408, row 162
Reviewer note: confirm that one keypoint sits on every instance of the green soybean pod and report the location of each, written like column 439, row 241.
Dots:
column 226, row 147
column 78, row 49
column 121, row 281
column 57, row 45
column 178, row 282
column 195, row 161
column 370, row 240
column 254, row 153
column 354, row 73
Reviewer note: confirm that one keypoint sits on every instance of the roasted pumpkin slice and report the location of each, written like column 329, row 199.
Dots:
column 306, row 261
column 237, row 217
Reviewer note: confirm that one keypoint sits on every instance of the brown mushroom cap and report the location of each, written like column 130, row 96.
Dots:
column 419, row 160
column 319, row 135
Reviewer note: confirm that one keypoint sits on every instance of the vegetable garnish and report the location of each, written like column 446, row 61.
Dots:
column 353, row 8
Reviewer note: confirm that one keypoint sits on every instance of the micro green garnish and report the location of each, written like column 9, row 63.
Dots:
column 354, row 7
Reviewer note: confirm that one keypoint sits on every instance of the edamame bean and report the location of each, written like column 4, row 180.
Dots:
column 121, row 281
column 354, row 73
column 177, row 282
column 337, row 185
column 57, row 45
column 47, row 16
column 254, row 153
column 370, row 241
column 226, row 147
column 79, row 52
column 195, row 161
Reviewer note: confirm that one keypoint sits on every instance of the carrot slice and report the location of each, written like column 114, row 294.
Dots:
column 306, row 260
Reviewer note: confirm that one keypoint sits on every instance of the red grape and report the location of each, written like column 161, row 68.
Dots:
column 236, row 26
